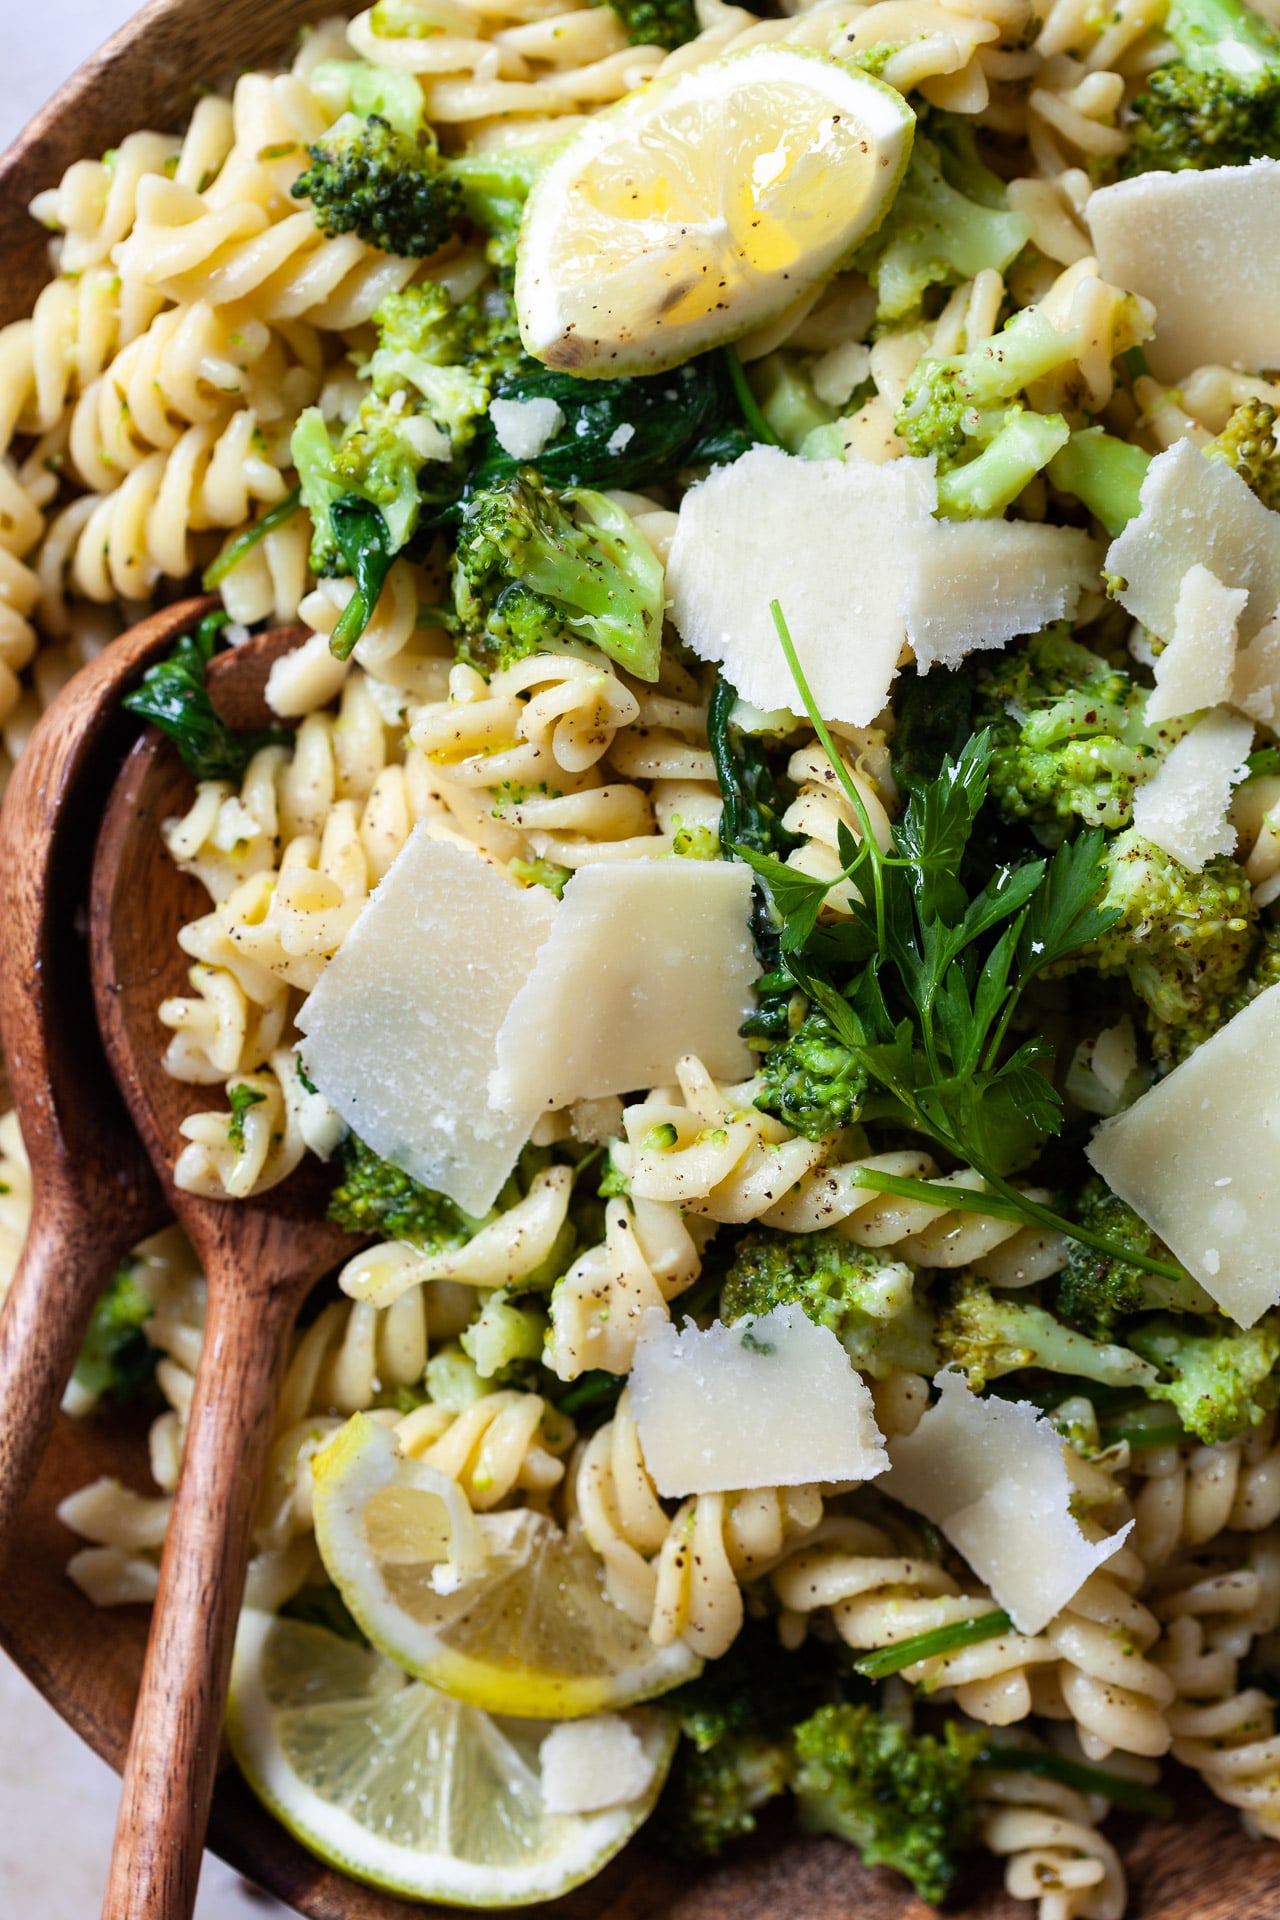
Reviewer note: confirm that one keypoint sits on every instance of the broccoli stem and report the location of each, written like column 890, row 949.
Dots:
column 1221, row 36
column 927, row 1646
column 1008, row 463
column 1104, row 473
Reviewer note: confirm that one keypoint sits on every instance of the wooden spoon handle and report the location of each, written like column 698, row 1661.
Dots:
column 173, row 1751
column 65, row 1264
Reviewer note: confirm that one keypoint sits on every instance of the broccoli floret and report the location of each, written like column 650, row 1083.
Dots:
column 718, row 1790
column 901, row 1798
column 379, row 458
column 1095, row 1291
column 811, row 1080
column 657, row 23
column 373, row 1197
column 504, row 1335
column 1171, row 1045
column 968, row 410
column 736, row 1720
column 481, row 334
column 115, row 1358
column 864, row 1296
column 533, row 565
column 1249, row 443
column 949, row 220
column 1218, row 103
column 1183, row 940
column 1220, row 1383
column 390, row 187
column 432, row 373
column 1071, row 742
column 1104, row 473
column 389, row 184
column 989, row 1334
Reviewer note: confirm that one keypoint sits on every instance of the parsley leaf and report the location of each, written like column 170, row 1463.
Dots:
column 922, row 984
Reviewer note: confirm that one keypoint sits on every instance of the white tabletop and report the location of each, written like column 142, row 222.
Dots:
column 57, row 1802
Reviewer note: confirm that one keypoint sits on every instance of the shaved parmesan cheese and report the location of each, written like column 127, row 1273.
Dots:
column 977, row 583
column 825, row 538
column 590, row 1764
column 648, row 960
column 1201, row 247
column 772, row 1402
column 1196, row 1157
column 1196, row 510
column 401, row 1031
column 1255, row 687
column 525, row 427
column 992, row 1474
column 1195, row 670
column 1183, row 807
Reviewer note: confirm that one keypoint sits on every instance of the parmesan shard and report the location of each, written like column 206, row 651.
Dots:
column 402, row 1029
column 1183, row 808
column 587, row 1765
column 1201, row 246
column 1193, row 511
column 993, row 1475
column 824, row 537
column 1197, row 667
column 973, row 584
column 525, row 427
column 1197, row 1158
column 772, row 1402
column 648, row 960
column 1255, row 686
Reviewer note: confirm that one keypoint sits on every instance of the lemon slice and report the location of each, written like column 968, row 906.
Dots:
column 506, row 1611
column 400, row 1786
column 704, row 205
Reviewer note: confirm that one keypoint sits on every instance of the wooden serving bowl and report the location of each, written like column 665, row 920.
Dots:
column 86, row 1661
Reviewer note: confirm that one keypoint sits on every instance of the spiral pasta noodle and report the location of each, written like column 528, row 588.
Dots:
column 15, row 1198
column 1047, row 1835
column 680, row 1574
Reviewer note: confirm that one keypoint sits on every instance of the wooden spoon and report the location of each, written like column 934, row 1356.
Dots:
column 260, row 1257
column 94, row 1194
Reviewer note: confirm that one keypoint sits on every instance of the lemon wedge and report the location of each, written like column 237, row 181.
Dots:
column 402, row 1787
column 506, row 1611
column 704, row 205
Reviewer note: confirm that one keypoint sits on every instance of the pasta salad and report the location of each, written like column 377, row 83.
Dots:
column 760, row 889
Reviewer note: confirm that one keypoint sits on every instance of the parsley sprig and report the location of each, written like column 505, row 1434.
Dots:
column 923, row 982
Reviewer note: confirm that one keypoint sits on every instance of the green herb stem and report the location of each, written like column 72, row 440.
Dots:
column 747, row 402
column 869, row 850
column 928, row 1646
column 1081, row 1775
column 231, row 556
column 1005, row 1202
